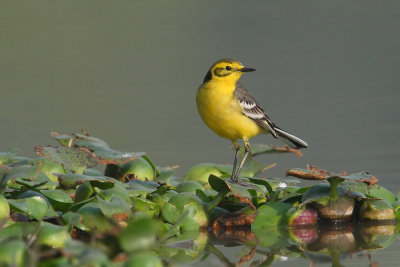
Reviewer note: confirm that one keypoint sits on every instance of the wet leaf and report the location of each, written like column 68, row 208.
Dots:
column 75, row 160
column 35, row 207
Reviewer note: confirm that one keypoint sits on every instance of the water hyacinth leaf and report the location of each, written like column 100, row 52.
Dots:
column 35, row 207
column 52, row 235
column 70, row 180
column 270, row 215
column 64, row 139
column 202, row 171
column 119, row 190
column 148, row 207
column 59, row 199
column 117, row 208
column 8, row 157
column 170, row 213
column 139, row 169
column 83, row 192
column 4, row 208
column 14, row 253
column 72, row 219
column 142, row 188
column 144, row 259
column 192, row 211
column 374, row 191
column 263, row 182
column 75, row 160
column 29, row 172
column 103, row 152
column 164, row 174
column 90, row 139
column 93, row 218
column 218, row 184
column 18, row 230
column 50, row 167
column 377, row 210
column 139, row 235
column 189, row 186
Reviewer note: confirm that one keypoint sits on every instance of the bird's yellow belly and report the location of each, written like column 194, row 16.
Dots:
column 223, row 115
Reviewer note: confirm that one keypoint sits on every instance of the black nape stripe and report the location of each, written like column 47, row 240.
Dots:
column 208, row 77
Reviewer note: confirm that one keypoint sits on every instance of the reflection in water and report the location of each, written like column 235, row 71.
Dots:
column 322, row 243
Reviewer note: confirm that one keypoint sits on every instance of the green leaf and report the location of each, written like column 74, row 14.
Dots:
column 270, row 215
column 29, row 172
column 170, row 213
column 218, row 184
column 93, row 218
column 202, row 171
column 14, row 253
column 59, row 199
column 263, row 182
column 144, row 259
column 150, row 208
column 52, row 235
column 142, row 188
column 71, row 180
column 117, row 208
column 75, row 160
column 103, row 152
column 374, row 191
column 139, row 235
column 8, row 157
column 35, row 207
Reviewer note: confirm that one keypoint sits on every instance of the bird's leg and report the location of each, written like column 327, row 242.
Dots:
column 246, row 153
column 237, row 147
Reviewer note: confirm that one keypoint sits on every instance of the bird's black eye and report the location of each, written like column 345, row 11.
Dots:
column 228, row 68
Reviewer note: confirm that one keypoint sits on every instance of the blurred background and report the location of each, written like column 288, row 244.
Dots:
column 128, row 71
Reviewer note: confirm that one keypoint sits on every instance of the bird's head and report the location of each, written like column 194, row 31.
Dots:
column 227, row 70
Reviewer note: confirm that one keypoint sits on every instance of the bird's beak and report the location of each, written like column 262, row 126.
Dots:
column 247, row 69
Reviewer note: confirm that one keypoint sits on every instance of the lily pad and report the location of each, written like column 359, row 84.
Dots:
column 139, row 235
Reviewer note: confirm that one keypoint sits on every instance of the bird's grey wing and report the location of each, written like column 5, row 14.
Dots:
column 252, row 110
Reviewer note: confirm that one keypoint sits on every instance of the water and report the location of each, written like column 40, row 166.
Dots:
column 127, row 72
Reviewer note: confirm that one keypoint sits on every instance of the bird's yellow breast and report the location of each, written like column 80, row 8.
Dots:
column 222, row 112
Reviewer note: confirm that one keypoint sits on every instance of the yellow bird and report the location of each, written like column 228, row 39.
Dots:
column 232, row 112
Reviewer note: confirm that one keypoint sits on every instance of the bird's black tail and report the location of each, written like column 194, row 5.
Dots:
column 289, row 139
